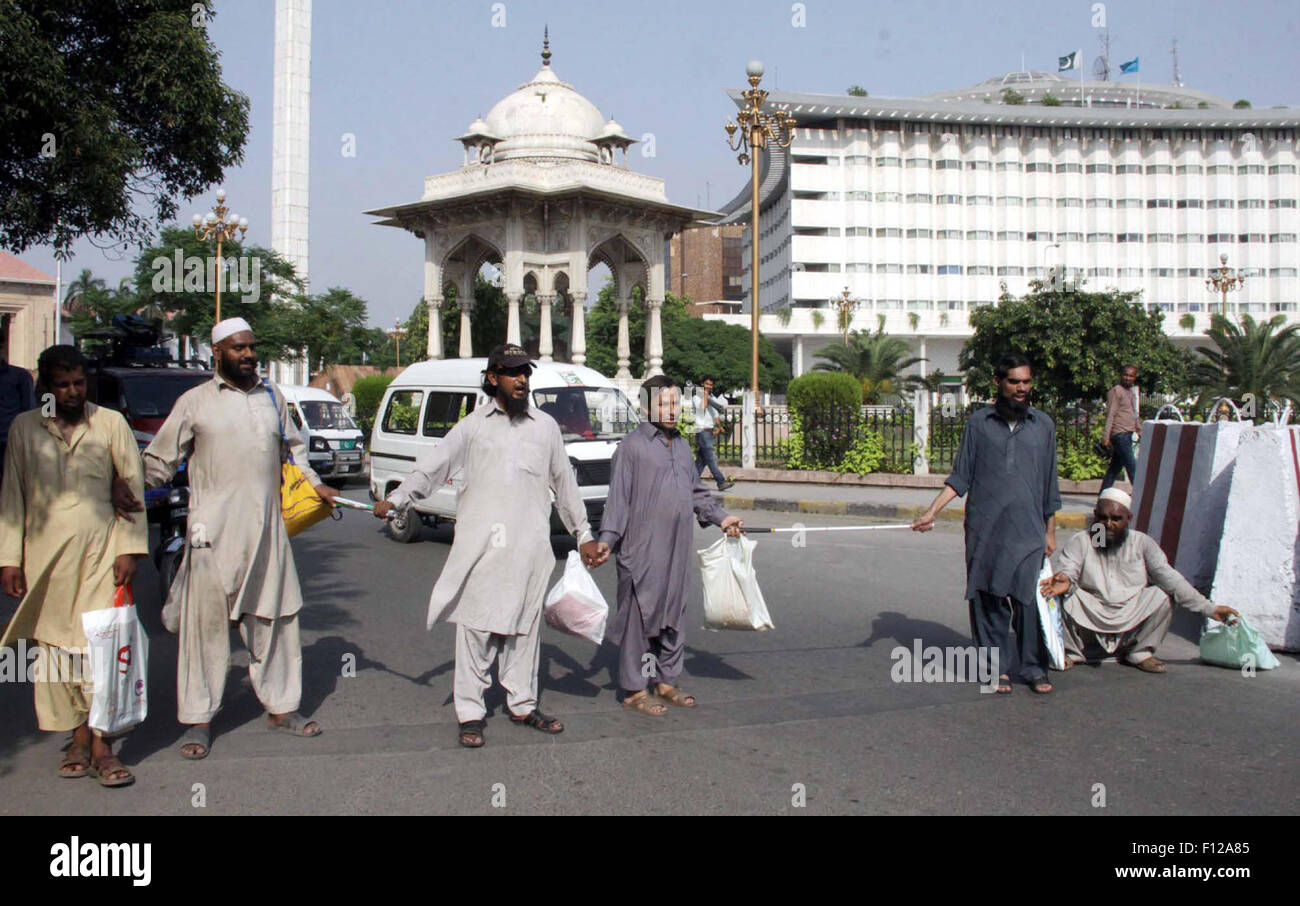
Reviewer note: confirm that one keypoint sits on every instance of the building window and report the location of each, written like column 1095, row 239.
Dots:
column 1100, row 168
column 947, row 234
column 1191, row 237
column 1250, row 237
column 1282, row 306
column 1250, row 169
column 1010, row 201
column 1191, row 203
column 1039, row 236
column 819, row 267
column 857, row 268
column 1038, row 167
column 1162, row 272
column 1281, row 202
column 889, row 196
column 1069, row 202
column 1129, row 203
column 1101, row 272
column 1220, row 238
column 1218, row 170
column 979, row 199
column 1190, row 272
column 1069, row 237
column 920, row 234
column 947, row 269
column 1159, row 203
column 1128, row 168
column 1038, row 201
column 1069, row 168
column 1005, row 165
column 1011, row 271
column 889, row 268
column 1101, row 203
column 947, row 165
column 857, row 160
column 1281, row 237
column 888, row 233
column 920, row 198
column 979, row 234
column 1010, row 235
column 1159, row 168
column 1218, row 203
column 918, row 163
column 1101, row 237
column 1253, row 204
column 986, row 165
column 809, row 161
column 918, row 268
column 947, row 199
column 1160, row 237
column 1130, row 272
column 1128, row 237
column 888, row 162
column 1275, row 169
column 979, row 270
column 1187, row 169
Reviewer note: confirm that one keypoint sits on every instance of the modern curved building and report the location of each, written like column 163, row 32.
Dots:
column 923, row 208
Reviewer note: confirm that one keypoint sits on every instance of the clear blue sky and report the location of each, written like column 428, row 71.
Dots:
column 407, row 76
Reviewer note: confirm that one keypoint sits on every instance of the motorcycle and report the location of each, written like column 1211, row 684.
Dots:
column 173, row 532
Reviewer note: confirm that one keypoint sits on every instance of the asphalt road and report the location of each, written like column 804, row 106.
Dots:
column 807, row 712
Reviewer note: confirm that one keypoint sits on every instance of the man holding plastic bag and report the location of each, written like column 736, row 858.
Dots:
column 63, row 552
column 1121, row 590
column 655, row 495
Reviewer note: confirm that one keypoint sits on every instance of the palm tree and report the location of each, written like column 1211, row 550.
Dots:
column 81, row 290
column 1260, row 359
column 876, row 359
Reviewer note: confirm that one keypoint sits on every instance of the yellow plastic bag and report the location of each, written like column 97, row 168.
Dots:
column 299, row 502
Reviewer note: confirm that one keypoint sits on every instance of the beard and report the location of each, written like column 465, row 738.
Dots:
column 670, row 430
column 515, row 408
column 1113, row 545
column 1010, row 409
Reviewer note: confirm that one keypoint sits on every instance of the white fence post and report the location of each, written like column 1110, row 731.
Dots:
column 921, row 431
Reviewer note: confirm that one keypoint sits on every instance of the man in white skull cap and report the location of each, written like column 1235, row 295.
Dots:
column 238, row 565
column 1121, row 590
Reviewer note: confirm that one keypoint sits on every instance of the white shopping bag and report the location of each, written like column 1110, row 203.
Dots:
column 1052, row 621
column 119, row 652
column 732, row 599
column 575, row 605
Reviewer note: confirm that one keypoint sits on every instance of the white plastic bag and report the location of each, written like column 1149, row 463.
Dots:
column 575, row 605
column 1051, row 620
column 732, row 599
column 119, row 653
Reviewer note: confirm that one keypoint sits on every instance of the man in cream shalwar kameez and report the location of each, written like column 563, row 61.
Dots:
column 238, row 565
column 496, row 575
column 61, row 543
column 1121, row 590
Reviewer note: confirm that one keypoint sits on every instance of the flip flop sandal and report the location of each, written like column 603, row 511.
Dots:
column 676, row 697
column 296, row 724
column 643, row 702
column 78, row 756
column 1004, row 686
column 471, row 733
column 196, row 736
column 1041, row 686
column 108, row 766
column 539, row 721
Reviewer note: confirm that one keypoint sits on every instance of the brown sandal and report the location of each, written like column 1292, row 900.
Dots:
column 642, row 702
column 1152, row 664
column 675, row 696
column 110, row 771
column 471, row 733
column 76, row 763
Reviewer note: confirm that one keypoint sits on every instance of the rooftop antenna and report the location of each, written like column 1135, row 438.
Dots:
column 546, row 46
column 1173, row 51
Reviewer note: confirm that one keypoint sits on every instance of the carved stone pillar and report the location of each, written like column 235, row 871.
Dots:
column 512, row 317
column 578, row 338
column 435, row 327
column 466, row 344
column 654, row 338
column 624, row 344
column 545, row 347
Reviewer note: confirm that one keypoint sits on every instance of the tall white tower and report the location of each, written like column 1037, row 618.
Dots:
column 290, row 142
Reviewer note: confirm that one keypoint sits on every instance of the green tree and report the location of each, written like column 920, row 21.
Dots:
column 856, row 91
column 92, row 304
column 1242, row 104
column 694, row 347
column 332, row 328
column 1077, row 342
column 1256, row 360
column 273, row 307
column 876, row 359
column 112, row 108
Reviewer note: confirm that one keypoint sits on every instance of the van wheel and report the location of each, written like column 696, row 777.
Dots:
column 405, row 528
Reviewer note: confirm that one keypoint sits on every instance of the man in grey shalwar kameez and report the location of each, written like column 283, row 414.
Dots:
column 494, row 581
column 238, row 567
column 1007, row 464
column 1121, row 590
column 655, row 496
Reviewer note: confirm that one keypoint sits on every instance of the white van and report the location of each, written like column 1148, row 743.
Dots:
column 422, row 404
column 335, row 445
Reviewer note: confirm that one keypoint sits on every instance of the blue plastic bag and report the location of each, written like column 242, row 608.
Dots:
column 1231, row 646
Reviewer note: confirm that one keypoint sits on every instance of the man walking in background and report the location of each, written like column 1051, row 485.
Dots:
column 708, row 408
column 1121, row 425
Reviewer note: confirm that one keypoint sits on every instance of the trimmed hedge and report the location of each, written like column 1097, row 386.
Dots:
column 826, row 407
column 824, row 388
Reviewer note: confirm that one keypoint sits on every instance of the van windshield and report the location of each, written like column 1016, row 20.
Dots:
column 327, row 415
column 588, row 413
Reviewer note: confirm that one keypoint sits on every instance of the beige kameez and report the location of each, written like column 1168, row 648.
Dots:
column 58, row 524
column 238, row 564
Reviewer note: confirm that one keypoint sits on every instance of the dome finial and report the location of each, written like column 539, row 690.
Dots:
column 546, row 46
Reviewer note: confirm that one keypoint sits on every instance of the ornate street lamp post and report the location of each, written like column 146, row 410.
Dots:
column 844, row 306
column 222, row 224
column 1222, row 279
column 757, row 130
column 396, row 335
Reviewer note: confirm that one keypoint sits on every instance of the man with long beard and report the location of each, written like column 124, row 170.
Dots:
column 655, row 495
column 1121, row 590
column 1007, row 463
column 238, row 566
column 495, row 578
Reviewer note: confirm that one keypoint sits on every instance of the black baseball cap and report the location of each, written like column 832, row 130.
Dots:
column 507, row 355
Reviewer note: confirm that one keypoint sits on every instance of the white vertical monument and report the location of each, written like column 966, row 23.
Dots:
column 290, row 144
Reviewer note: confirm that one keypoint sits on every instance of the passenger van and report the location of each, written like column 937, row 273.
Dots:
column 423, row 403
column 335, row 445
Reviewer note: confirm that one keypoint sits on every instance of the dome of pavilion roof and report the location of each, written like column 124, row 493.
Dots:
column 545, row 117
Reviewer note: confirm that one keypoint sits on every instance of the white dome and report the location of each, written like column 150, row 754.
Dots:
column 545, row 118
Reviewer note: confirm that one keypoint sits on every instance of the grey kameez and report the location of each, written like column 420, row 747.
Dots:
column 655, row 497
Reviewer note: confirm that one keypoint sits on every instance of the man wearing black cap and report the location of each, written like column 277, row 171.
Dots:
column 495, row 579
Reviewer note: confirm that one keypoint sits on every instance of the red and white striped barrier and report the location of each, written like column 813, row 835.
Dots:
column 1258, row 573
column 1181, row 493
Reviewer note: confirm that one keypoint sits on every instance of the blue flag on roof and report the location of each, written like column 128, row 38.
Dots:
column 1130, row 66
